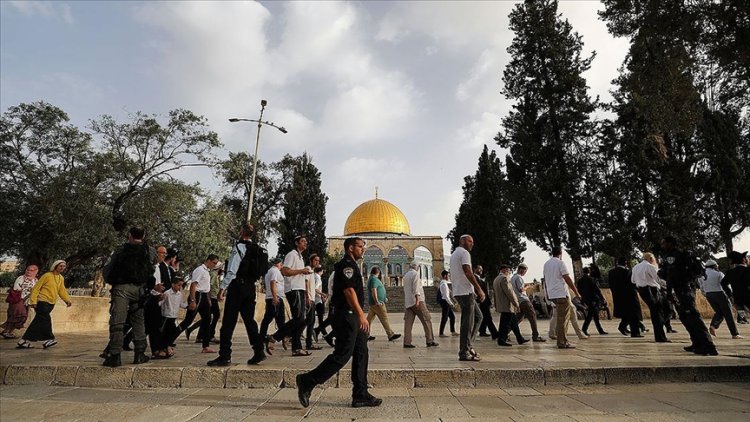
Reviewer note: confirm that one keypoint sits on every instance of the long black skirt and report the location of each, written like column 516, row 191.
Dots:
column 41, row 326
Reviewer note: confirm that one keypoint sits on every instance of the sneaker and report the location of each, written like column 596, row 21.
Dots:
column 49, row 343
column 368, row 401
column 737, row 337
column 395, row 337
column 220, row 361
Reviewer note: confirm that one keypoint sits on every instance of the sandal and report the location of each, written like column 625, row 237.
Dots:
column 314, row 347
column 8, row 336
column 161, row 354
column 49, row 343
column 269, row 341
column 301, row 352
column 473, row 353
column 24, row 344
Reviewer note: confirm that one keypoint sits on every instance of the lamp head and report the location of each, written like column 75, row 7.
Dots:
column 263, row 103
column 234, row 120
column 282, row 129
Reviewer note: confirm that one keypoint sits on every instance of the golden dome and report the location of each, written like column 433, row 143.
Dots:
column 376, row 216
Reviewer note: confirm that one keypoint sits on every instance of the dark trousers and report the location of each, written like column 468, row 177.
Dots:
column 166, row 331
column 272, row 313
column 328, row 322
column 650, row 295
column 215, row 315
column 240, row 301
column 41, row 326
column 152, row 321
column 204, row 310
column 293, row 328
column 351, row 342
column 691, row 319
column 508, row 323
column 527, row 310
column 309, row 326
column 487, row 323
column 631, row 323
column 722, row 311
column 447, row 315
column 592, row 313
column 320, row 311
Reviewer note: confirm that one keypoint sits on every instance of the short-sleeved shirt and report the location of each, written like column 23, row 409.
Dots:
column 375, row 283
column 461, row 284
column 518, row 283
column 273, row 275
column 554, row 270
column 346, row 275
column 201, row 276
column 318, row 287
column 294, row 261
column 712, row 282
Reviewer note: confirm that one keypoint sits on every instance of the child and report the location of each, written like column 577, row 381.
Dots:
column 170, row 302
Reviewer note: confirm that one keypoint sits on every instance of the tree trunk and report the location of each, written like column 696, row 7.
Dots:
column 98, row 285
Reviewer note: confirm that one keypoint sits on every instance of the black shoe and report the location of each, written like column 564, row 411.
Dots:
column 187, row 333
column 538, row 339
column 484, row 335
column 140, row 357
column 220, row 361
column 671, row 331
column 371, row 338
column 504, row 344
column 394, row 337
column 623, row 332
column 603, row 333
column 636, row 335
column 113, row 361
column 316, row 330
column 409, row 346
column 367, row 401
column 257, row 358
column 690, row 348
column 522, row 341
column 329, row 338
column 664, row 340
column 127, row 347
column 432, row 344
column 303, row 392
column 706, row 352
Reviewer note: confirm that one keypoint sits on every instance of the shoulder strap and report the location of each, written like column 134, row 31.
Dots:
column 237, row 246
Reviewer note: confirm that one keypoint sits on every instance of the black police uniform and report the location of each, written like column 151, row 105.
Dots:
column 351, row 341
column 675, row 269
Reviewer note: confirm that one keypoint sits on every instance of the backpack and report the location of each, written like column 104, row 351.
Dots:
column 131, row 264
column 254, row 263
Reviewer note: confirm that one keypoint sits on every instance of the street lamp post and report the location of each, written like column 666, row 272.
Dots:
column 260, row 122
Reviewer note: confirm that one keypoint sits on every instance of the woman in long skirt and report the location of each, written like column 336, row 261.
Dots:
column 42, row 298
column 18, row 311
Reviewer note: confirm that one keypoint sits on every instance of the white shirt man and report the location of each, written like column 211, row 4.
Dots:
column 415, row 307
column 294, row 261
column 554, row 278
column 274, row 277
column 171, row 303
column 413, row 289
column 519, row 287
column 644, row 274
column 202, row 276
column 461, row 284
column 445, row 292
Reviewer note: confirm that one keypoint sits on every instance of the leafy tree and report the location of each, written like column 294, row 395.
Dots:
column 549, row 132
column 485, row 215
column 303, row 211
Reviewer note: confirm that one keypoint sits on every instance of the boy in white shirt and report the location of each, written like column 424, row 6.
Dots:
column 170, row 303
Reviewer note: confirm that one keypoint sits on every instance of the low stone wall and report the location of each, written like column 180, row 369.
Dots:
column 92, row 314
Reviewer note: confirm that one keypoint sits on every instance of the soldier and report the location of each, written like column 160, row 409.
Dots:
column 679, row 270
column 351, row 329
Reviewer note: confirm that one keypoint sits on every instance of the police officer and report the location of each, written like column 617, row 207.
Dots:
column 351, row 329
column 241, row 300
column 676, row 269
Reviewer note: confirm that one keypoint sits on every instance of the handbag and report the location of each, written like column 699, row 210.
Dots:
column 14, row 296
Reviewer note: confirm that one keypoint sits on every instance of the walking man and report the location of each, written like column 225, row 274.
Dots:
column 646, row 280
column 487, row 323
column 128, row 271
column 558, row 282
column 737, row 281
column 507, row 305
column 415, row 307
column 465, row 291
column 295, row 273
column 377, row 300
column 524, row 303
column 239, row 286
column 625, row 299
column 447, row 305
column 351, row 330
column 711, row 288
column 592, row 297
column 274, row 284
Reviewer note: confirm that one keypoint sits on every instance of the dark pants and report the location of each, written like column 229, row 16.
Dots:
column 41, row 326
column 447, row 315
column 722, row 310
column 508, row 323
column 272, row 313
column 328, row 322
column 351, row 342
column 487, row 322
column 527, row 310
column 215, row 315
column 691, row 319
column 293, row 328
column 167, row 331
column 309, row 326
column 650, row 295
column 592, row 313
column 204, row 310
column 240, row 301
column 126, row 304
column 152, row 321
column 631, row 323
column 320, row 311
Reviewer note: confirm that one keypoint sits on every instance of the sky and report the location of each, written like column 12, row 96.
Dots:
column 398, row 95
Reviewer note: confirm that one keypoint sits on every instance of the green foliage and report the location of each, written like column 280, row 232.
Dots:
column 549, row 132
column 304, row 207
column 485, row 214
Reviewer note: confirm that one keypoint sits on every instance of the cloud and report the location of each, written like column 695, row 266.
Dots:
column 49, row 10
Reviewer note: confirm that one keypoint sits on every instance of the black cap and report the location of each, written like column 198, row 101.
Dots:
column 736, row 257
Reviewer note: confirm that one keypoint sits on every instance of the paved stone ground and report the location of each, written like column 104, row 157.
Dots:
column 610, row 359
column 645, row 402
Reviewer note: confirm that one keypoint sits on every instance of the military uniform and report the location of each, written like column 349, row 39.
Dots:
column 676, row 270
column 351, row 341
